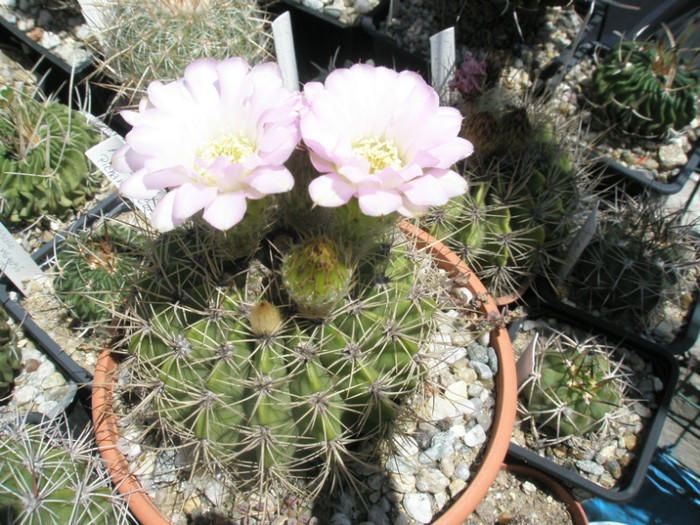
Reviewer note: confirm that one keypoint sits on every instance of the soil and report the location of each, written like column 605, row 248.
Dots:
column 518, row 500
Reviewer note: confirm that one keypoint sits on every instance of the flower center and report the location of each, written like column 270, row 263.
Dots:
column 234, row 148
column 379, row 153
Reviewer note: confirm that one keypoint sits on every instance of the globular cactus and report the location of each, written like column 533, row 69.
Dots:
column 261, row 387
column 641, row 256
column 142, row 42
column 42, row 158
column 576, row 385
column 91, row 269
column 53, row 479
column 10, row 357
column 645, row 88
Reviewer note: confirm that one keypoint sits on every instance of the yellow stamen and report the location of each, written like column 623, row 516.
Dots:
column 233, row 147
column 379, row 153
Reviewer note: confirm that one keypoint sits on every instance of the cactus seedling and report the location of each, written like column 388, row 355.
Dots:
column 576, row 385
column 91, row 269
column 646, row 88
column 155, row 40
column 10, row 358
column 51, row 479
column 42, row 158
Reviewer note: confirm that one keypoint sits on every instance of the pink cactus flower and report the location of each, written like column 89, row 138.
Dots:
column 381, row 137
column 214, row 138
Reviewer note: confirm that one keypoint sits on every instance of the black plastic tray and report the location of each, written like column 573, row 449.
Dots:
column 547, row 298
column 42, row 257
column 665, row 367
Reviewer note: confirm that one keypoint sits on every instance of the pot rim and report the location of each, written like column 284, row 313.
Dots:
column 145, row 511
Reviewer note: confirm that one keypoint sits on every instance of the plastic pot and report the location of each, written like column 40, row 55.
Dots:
column 143, row 508
column 665, row 368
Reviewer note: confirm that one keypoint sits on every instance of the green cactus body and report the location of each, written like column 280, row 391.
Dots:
column 316, row 276
column 10, row 357
column 50, row 479
column 91, row 270
column 644, row 89
column 270, row 394
column 42, row 158
column 156, row 40
column 574, row 391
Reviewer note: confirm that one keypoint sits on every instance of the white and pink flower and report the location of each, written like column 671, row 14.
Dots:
column 383, row 138
column 214, row 138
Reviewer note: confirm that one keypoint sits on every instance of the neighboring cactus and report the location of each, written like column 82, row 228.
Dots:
column 646, row 88
column 42, row 158
column 91, row 270
column 155, row 40
column 250, row 384
column 642, row 255
column 575, row 387
column 10, row 357
column 518, row 214
column 52, row 479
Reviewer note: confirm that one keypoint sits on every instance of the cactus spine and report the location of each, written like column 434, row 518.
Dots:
column 42, row 158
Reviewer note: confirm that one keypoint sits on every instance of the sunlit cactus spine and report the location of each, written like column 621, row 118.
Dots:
column 142, row 42
column 275, row 391
column 42, row 158
column 50, row 478
column 92, row 268
column 641, row 256
column 646, row 88
column 10, row 357
column 576, row 386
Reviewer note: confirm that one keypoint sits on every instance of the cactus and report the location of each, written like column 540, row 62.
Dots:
column 42, row 158
column 10, row 357
column 275, row 396
column 50, row 478
column 645, row 88
column 576, row 386
column 156, row 40
column 91, row 267
column 641, row 256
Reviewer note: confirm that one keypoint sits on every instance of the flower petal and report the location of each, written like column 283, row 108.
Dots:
column 226, row 210
column 268, row 180
column 330, row 191
column 377, row 203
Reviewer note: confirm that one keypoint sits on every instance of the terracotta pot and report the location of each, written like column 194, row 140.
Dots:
column 573, row 507
column 146, row 512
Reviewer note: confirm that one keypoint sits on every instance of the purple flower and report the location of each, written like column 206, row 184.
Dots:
column 469, row 76
column 214, row 138
column 381, row 137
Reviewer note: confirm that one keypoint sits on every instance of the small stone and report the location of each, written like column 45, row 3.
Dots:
column 431, row 480
column 477, row 353
column 528, row 487
column 418, row 506
column 482, row 369
column 399, row 465
column 475, row 436
column 462, row 471
column 672, row 156
column 630, row 441
column 447, row 466
column 402, row 484
column 590, row 467
column 435, row 453
column 313, row 4
column 456, row 486
column 362, row 6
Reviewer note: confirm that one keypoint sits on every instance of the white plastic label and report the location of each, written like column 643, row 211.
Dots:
column 284, row 50
column 16, row 263
column 101, row 156
column 442, row 60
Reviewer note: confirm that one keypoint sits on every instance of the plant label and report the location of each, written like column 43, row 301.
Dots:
column 393, row 10
column 284, row 50
column 101, row 156
column 442, row 61
column 15, row 262
column 578, row 244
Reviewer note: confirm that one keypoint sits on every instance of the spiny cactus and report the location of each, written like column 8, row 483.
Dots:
column 646, row 88
column 10, row 357
column 42, row 158
column 641, row 256
column 575, row 386
column 155, row 40
column 91, row 270
column 258, row 386
column 52, row 479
